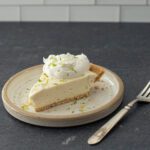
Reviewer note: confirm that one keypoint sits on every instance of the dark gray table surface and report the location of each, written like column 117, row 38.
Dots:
column 123, row 48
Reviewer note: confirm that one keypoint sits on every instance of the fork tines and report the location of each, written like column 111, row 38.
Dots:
column 146, row 91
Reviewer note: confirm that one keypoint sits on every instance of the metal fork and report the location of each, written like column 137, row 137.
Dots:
column 144, row 96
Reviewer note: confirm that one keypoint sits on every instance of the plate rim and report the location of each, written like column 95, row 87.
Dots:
column 8, row 103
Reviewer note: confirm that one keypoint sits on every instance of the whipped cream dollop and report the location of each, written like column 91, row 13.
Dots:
column 65, row 66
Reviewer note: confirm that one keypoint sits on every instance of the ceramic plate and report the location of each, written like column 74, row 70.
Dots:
column 104, row 98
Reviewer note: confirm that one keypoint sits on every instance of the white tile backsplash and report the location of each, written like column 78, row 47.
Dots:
column 75, row 10
column 122, row 2
column 70, row 2
column 42, row 13
column 8, row 13
column 20, row 2
column 135, row 14
column 94, row 13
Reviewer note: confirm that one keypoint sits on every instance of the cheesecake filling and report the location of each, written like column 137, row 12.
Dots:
column 41, row 96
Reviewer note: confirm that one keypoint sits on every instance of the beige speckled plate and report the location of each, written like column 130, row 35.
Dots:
column 103, row 100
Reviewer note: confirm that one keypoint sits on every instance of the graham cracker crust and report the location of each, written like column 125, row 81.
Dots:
column 62, row 102
column 98, row 70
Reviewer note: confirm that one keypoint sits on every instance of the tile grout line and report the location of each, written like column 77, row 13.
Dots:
column 119, row 13
column 44, row 3
column 69, row 13
column 146, row 2
column 20, row 18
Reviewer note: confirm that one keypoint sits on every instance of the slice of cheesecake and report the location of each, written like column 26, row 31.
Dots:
column 49, row 92
column 65, row 78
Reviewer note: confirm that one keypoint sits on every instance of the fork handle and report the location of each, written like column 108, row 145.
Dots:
column 104, row 130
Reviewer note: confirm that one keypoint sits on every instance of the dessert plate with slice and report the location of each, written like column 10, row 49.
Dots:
column 66, row 91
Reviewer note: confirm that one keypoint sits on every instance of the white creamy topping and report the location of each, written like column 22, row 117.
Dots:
column 66, row 66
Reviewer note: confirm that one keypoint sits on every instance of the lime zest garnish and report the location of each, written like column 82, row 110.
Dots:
column 45, row 75
column 72, row 69
column 26, row 105
column 52, row 65
column 39, row 80
column 82, row 108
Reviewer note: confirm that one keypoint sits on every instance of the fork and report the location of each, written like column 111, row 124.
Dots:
column 143, row 96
